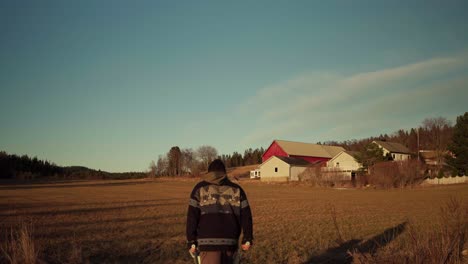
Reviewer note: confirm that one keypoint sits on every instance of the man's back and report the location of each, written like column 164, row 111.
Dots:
column 218, row 212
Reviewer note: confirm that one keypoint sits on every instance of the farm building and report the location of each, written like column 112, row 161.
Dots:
column 306, row 151
column 434, row 158
column 284, row 160
column 344, row 163
column 397, row 151
column 278, row 168
column 255, row 174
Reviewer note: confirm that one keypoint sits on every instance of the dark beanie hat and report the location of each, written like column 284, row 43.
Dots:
column 217, row 165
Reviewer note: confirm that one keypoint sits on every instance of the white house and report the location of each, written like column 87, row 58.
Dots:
column 396, row 150
column 255, row 174
column 344, row 163
column 278, row 168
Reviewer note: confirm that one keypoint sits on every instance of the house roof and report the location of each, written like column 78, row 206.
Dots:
column 294, row 161
column 309, row 149
column 393, row 147
column 354, row 154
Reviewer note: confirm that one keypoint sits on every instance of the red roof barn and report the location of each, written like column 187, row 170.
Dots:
column 306, row 151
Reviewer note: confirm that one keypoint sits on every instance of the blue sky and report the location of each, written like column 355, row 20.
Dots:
column 113, row 84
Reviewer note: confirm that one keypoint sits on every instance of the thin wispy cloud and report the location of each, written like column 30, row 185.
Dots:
column 413, row 71
column 324, row 105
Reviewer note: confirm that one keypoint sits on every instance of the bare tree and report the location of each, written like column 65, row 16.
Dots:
column 161, row 166
column 152, row 169
column 438, row 132
column 206, row 154
column 188, row 161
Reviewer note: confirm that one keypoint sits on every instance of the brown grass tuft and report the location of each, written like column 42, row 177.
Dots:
column 76, row 252
column 20, row 247
column 443, row 244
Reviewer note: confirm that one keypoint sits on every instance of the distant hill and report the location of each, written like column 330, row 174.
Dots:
column 78, row 169
column 26, row 168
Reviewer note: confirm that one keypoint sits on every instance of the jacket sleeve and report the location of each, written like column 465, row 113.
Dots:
column 246, row 219
column 193, row 217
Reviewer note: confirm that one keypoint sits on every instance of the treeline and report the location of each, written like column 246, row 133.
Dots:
column 31, row 168
column 186, row 161
column 434, row 134
column 447, row 142
column 13, row 166
column 250, row 157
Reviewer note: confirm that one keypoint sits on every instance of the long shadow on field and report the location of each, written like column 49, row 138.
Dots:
column 340, row 253
column 52, row 186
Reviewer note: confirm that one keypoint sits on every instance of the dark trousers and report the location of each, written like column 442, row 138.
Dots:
column 218, row 257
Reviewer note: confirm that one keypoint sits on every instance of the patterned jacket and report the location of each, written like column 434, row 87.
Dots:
column 216, row 216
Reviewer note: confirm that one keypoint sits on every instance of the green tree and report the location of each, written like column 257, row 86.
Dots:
column 370, row 155
column 248, row 157
column 174, row 158
column 459, row 145
column 236, row 159
column 413, row 140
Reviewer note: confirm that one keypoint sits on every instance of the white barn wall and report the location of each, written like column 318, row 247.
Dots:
column 267, row 170
column 342, row 165
column 344, row 162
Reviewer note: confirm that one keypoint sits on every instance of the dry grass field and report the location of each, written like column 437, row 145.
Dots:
column 142, row 221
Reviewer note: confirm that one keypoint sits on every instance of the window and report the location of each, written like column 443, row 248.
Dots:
column 276, row 169
column 337, row 164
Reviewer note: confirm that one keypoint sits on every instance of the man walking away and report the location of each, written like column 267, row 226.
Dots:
column 218, row 211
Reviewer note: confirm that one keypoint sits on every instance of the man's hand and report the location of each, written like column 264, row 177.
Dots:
column 246, row 246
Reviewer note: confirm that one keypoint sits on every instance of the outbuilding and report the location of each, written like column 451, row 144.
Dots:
column 397, row 151
column 344, row 163
column 278, row 168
